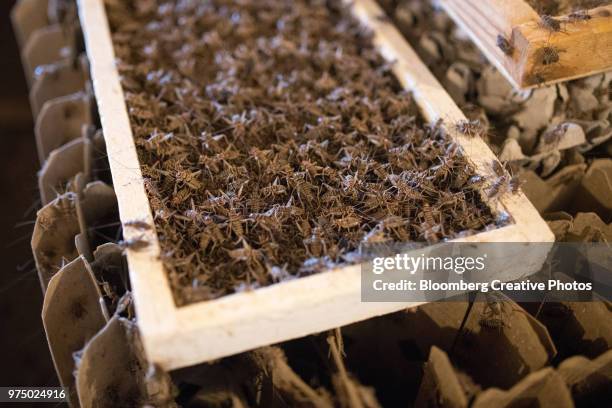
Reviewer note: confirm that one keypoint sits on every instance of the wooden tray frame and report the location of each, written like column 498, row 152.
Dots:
column 583, row 47
column 176, row 337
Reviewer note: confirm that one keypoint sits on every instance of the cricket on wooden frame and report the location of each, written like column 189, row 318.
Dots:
column 532, row 48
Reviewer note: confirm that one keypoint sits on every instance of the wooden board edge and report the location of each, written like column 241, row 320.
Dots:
column 484, row 21
column 479, row 35
column 211, row 330
column 581, row 48
column 519, row 23
column 153, row 297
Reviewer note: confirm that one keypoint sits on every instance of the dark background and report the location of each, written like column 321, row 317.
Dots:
column 24, row 355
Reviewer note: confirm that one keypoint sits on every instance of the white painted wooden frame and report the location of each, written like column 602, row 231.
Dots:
column 174, row 336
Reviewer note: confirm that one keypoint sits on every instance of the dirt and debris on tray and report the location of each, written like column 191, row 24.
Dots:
column 275, row 142
column 564, row 7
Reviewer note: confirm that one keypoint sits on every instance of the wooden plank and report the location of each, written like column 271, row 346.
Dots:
column 153, row 296
column 177, row 337
column 484, row 20
column 581, row 48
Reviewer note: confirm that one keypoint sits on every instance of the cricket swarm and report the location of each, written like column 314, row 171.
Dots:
column 276, row 143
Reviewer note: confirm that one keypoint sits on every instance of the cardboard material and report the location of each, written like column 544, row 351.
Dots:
column 585, row 227
column 500, row 343
column 597, row 183
column 110, row 269
column 544, row 389
column 71, row 316
column 28, row 16
column 97, row 205
column 438, row 324
column 287, row 385
column 97, row 200
column 495, row 354
column 63, row 164
column 586, row 223
column 590, row 381
column 578, row 327
column 53, row 236
column 351, row 393
column 82, row 245
column 61, row 11
column 231, row 382
column 55, row 80
column 60, row 121
column 70, row 167
column 577, row 188
column 111, row 370
column 108, row 368
column 56, row 239
column 441, row 387
column 598, row 131
column 555, row 193
column 47, row 45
